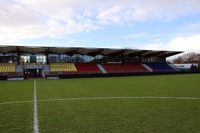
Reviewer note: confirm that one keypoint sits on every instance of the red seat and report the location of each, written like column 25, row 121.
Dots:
column 87, row 68
column 124, row 68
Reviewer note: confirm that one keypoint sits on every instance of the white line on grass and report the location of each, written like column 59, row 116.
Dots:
column 16, row 102
column 35, row 122
column 102, row 98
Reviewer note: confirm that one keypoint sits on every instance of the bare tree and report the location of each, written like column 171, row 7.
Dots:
column 188, row 58
column 178, row 60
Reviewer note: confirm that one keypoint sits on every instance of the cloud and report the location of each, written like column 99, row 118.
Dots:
column 142, row 10
column 28, row 19
column 189, row 43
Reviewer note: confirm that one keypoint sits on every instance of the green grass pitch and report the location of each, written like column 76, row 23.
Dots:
column 57, row 113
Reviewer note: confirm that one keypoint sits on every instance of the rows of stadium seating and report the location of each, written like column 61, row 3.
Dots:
column 109, row 68
column 160, row 67
column 7, row 67
column 93, row 68
column 74, row 68
column 63, row 67
column 123, row 68
column 87, row 68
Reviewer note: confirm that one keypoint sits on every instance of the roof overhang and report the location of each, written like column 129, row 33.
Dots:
column 87, row 51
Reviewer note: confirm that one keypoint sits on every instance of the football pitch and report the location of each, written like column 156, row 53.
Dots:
column 152, row 104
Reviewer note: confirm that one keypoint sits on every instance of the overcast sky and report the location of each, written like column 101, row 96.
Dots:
column 143, row 24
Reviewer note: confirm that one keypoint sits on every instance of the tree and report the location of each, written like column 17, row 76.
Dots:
column 187, row 58
column 178, row 60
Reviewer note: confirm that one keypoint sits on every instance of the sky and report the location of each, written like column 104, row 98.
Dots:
column 138, row 24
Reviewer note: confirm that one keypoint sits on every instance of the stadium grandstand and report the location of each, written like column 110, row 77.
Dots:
column 19, row 62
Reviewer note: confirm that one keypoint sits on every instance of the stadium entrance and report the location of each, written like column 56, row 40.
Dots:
column 33, row 65
column 33, row 70
column 32, row 73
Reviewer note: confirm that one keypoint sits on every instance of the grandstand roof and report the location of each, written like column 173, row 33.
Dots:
column 86, row 51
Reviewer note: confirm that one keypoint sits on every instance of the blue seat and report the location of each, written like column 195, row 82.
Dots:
column 160, row 67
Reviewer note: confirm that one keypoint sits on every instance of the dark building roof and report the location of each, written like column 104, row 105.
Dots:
column 87, row 51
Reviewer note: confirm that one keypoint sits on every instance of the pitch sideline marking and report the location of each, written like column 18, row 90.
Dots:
column 103, row 98
column 99, row 98
column 16, row 102
column 35, row 122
